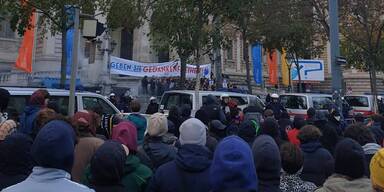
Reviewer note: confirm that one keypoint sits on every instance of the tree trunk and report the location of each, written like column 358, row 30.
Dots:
column 247, row 64
column 63, row 66
column 372, row 71
column 183, row 71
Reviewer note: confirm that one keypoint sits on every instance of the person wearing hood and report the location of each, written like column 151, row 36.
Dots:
column 292, row 161
column 298, row 123
column 7, row 126
column 334, row 120
column 217, row 130
column 153, row 106
column 185, row 113
column 376, row 127
column 87, row 143
column 213, row 109
column 138, row 120
column 190, row 170
column 365, row 138
column 311, row 116
column 329, row 137
column 267, row 160
column 211, row 141
column 318, row 162
column 136, row 175
column 233, row 167
column 349, row 169
column 15, row 159
column 248, row 131
column 271, row 127
column 174, row 121
column 155, row 152
column 377, row 171
column 107, row 167
column 285, row 124
column 53, row 153
column 38, row 100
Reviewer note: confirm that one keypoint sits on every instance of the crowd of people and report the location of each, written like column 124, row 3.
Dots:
column 157, row 86
column 221, row 148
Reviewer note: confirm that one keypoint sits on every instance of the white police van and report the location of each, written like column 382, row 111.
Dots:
column 84, row 101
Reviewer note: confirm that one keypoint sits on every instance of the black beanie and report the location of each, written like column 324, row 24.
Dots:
column 349, row 159
column 4, row 99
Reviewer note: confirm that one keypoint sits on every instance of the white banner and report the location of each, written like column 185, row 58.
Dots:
column 310, row 70
column 121, row 66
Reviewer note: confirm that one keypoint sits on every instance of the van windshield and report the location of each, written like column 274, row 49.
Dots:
column 176, row 99
column 321, row 103
column 357, row 101
column 294, row 102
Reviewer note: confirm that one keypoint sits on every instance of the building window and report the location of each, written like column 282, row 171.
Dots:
column 5, row 30
column 163, row 56
column 90, row 51
column 230, row 51
column 126, row 48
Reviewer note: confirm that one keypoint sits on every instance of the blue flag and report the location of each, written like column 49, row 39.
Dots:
column 257, row 63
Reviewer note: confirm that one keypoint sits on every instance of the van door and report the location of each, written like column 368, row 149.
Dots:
column 97, row 105
column 295, row 104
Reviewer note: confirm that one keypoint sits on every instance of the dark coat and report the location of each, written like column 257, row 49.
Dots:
column 152, row 108
column 329, row 137
column 283, row 124
column 189, row 172
column 213, row 110
column 377, row 132
column 15, row 159
column 155, row 152
column 318, row 163
column 277, row 109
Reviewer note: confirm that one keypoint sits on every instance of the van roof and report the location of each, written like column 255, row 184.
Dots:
column 29, row 91
column 307, row 94
column 209, row 92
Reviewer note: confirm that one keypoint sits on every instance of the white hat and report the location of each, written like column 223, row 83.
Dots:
column 275, row 96
column 112, row 95
column 152, row 98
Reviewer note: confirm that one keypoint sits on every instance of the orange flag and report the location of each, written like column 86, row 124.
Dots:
column 272, row 66
column 24, row 59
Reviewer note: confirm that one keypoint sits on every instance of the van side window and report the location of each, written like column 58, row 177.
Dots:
column 94, row 103
column 321, row 103
column 176, row 99
column 61, row 103
column 240, row 100
column 294, row 102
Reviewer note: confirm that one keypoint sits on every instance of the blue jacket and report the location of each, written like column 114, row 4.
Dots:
column 48, row 180
column 27, row 119
column 189, row 172
column 233, row 167
column 318, row 163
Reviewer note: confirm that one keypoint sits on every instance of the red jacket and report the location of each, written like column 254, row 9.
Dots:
column 292, row 136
